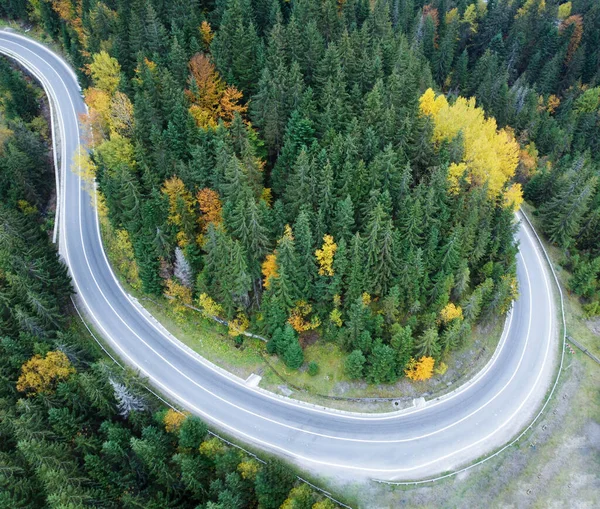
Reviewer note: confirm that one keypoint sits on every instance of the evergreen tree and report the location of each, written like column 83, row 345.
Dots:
column 382, row 364
column 427, row 343
column 272, row 484
column 354, row 365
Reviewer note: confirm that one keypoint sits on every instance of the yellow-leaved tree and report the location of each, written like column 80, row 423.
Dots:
column 210, row 308
column 181, row 208
column 325, row 256
column 249, row 469
column 106, row 72
column 40, row 375
column 238, row 325
column 490, row 156
column 180, row 296
column 210, row 97
column 123, row 256
column 269, row 269
column 299, row 317
column 451, row 312
column 206, row 34
column 173, row 420
column 421, row 369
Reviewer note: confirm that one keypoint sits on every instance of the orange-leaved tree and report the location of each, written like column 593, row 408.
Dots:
column 211, row 208
column 211, row 98
column 299, row 317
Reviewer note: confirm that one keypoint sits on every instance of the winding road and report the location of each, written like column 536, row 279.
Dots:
column 415, row 443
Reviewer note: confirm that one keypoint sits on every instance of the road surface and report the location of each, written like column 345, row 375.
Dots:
column 415, row 443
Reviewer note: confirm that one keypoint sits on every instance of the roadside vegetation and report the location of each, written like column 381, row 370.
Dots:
column 76, row 430
column 339, row 177
column 555, row 463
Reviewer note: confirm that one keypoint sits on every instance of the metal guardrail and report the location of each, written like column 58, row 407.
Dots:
column 170, row 405
column 583, row 349
column 548, row 398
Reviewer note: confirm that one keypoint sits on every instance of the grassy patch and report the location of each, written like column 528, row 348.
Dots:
column 578, row 326
column 212, row 342
column 556, row 464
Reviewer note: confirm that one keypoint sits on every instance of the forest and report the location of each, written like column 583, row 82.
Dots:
column 335, row 171
column 75, row 430
column 342, row 171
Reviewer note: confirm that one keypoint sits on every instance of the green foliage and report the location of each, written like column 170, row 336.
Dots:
column 272, row 484
column 84, row 435
column 332, row 143
column 192, row 432
column 354, row 365
column 293, row 355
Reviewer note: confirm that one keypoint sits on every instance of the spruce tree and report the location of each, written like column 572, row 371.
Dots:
column 293, row 355
column 382, row 368
column 427, row 344
column 354, row 365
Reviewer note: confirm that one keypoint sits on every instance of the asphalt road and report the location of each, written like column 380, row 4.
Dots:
column 415, row 443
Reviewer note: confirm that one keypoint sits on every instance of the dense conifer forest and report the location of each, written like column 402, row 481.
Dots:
column 335, row 171
column 75, row 430
column 288, row 167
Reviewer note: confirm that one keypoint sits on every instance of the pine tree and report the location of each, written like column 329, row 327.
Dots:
column 343, row 224
column 356, row 277
column 402, row 343
column 240, row 279
column 272, row 484
column 293, row 355
column 248, row 226
column 299, row 188
column 563, row 214
column 307, row 269
column 285, row 288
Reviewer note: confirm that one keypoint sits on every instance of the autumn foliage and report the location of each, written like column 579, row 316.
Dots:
column 269, row 269
column 299, row 317
column 181, row 207
column 173, row 420
column 325, row 256
column 39, row 375
column 490, row 155
column 421, row 369
column 211, row 208
column 576, row 22
column 451, row 312
column 238, row 325
column 211, row 99
column 180, row 295
column 210, row 308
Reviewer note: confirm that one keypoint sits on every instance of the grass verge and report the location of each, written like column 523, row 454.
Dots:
column 555, row 464
column 212, row 342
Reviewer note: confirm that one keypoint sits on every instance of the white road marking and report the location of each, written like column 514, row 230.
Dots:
column 272, row 446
